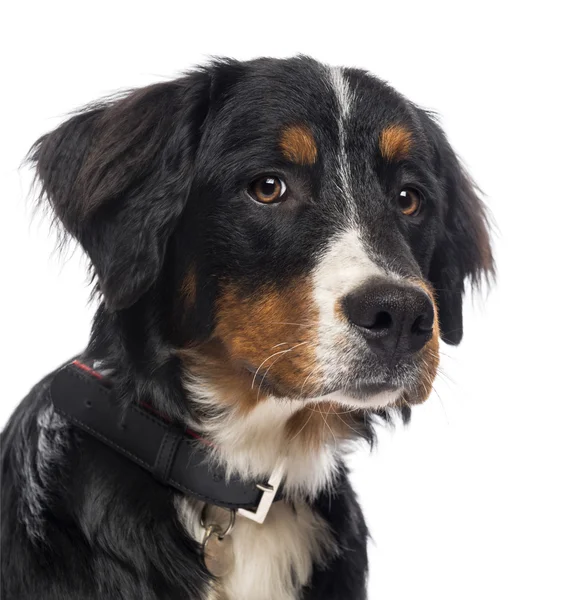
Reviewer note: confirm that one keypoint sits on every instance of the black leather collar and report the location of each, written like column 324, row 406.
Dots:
column 175, row 456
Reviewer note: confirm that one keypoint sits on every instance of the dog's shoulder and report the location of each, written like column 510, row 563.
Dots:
column 73, row 521
column 34, row 453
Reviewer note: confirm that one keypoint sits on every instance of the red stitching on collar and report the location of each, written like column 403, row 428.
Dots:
column 145, row 405
column 87, row 369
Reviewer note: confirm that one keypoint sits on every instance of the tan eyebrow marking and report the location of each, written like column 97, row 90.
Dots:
column 298, row 145
column 395, row 142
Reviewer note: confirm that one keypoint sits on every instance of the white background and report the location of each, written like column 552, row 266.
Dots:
column 473, row 499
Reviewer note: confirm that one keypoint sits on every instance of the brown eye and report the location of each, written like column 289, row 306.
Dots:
column 267, row 189
column 410, row 202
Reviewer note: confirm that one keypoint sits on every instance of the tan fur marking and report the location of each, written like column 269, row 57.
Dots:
column 319, row 423
column 429, row 355
column 395, row 142
column 188, row 288
column 339, row 310
column 298, row 145
column 230, row 383
column 273, row 332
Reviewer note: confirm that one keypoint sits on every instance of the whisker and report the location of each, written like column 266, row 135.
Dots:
column 441, row 404
column 295, row 324
column 282, row 352
column 302, row 428
column 328, row 427
column 347, row 424
column 346, row 412
column 448, row 355
column 271, row 356
column 445, row 375
column 306, row 379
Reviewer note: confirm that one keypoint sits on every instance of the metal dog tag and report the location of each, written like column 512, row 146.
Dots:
column 218, row 552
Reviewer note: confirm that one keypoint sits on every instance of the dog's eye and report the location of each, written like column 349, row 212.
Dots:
column 267, row 189
column 410, row 202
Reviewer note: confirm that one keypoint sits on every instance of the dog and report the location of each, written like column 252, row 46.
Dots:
column 277, row 247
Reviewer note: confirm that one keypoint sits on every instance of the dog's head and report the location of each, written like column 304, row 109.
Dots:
column 301, row 227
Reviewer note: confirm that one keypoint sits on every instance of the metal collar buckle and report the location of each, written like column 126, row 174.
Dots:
column 269, row 490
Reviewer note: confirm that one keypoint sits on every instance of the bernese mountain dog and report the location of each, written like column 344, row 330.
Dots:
column 277, row 247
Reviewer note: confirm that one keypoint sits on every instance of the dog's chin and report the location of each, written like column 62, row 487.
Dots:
column 366, row 396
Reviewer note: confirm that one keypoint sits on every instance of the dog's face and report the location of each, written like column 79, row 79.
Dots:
column 305, row 228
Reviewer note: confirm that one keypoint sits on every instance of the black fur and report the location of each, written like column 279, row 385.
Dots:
column 152, row 184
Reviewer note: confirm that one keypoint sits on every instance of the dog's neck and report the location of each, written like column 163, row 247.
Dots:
column 250, row 431
column 253, row 430
column 251, row 444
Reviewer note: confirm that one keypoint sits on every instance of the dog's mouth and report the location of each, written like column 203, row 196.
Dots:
column 366, row 392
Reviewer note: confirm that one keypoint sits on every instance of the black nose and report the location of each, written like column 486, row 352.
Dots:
column 395, row 318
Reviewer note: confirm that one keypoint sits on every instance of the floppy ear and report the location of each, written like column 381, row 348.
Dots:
column 118, row 175
column 463, row 250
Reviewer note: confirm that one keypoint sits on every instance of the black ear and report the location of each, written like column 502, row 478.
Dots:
column 463, row 250
column 117, row 175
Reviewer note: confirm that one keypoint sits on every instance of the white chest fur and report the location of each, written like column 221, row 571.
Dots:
column 273, row 560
